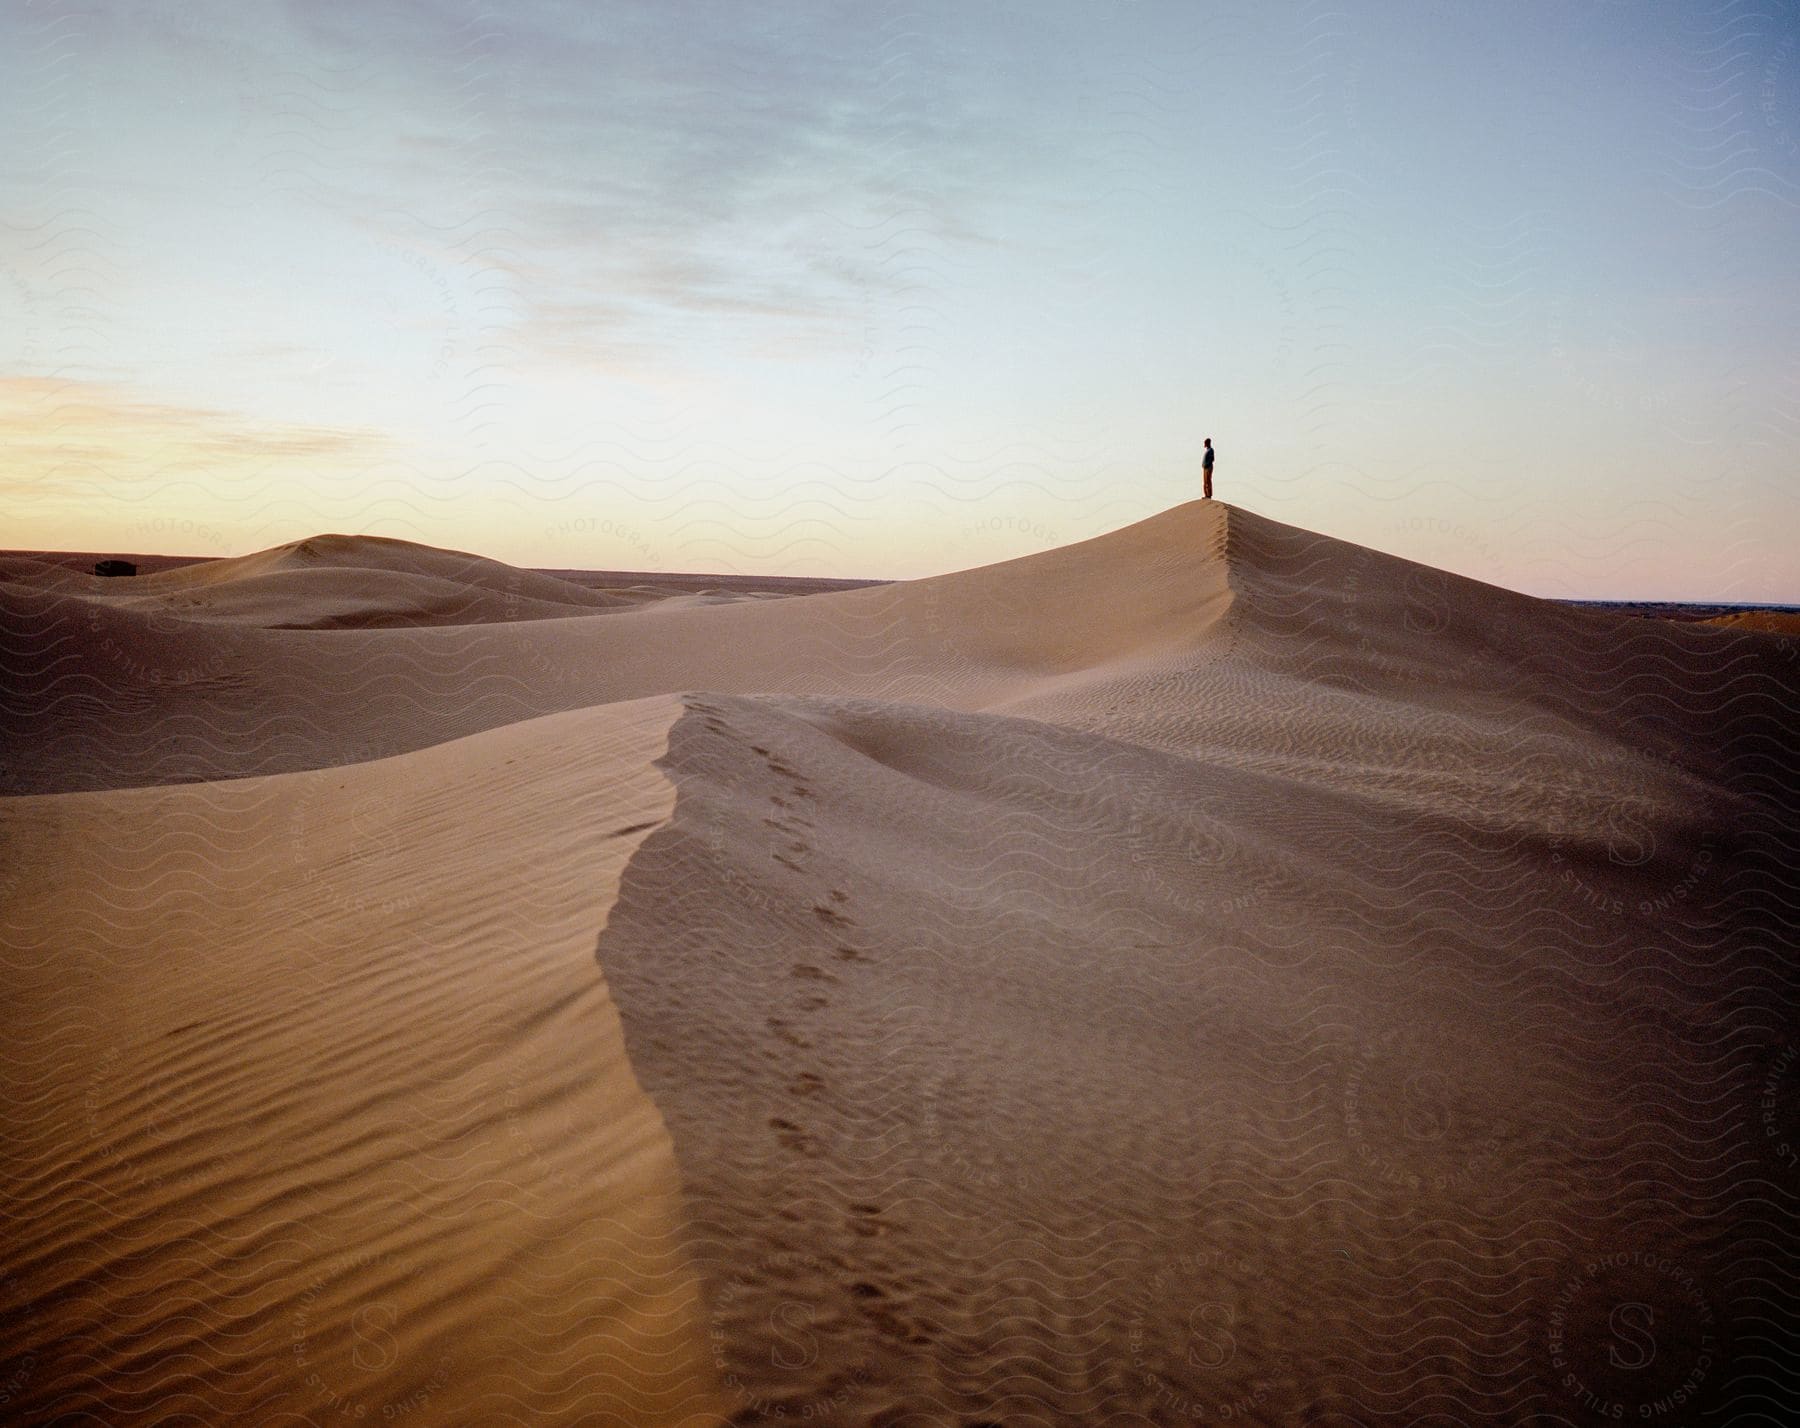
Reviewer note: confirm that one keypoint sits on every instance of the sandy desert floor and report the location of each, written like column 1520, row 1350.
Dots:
column 1210, row 973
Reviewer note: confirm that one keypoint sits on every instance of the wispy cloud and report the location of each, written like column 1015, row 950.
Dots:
column 661, row 167
column 103, row 436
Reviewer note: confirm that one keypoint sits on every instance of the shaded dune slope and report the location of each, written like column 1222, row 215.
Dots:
column 1055, row 1076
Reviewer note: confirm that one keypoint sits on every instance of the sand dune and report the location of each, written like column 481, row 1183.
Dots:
column 318, row 1107
column 104, row 695
column 1211, row 972
column 333, row 597
column 335, row 582
column 1768, row 622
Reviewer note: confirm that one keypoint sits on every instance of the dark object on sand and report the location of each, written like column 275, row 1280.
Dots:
column 114, row 567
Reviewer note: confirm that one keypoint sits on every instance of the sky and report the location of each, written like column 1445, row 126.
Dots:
column 887, row 289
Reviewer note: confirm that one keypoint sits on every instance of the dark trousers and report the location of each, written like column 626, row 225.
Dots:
column 1206, row 482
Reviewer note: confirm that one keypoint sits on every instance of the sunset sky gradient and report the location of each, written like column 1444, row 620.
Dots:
column 883, row 290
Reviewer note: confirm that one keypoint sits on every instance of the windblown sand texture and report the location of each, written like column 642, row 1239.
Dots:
column 1209, row 973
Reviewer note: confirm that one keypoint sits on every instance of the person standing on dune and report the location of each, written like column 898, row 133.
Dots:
column 1206, row 465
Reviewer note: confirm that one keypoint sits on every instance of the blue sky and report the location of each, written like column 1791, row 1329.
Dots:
column 892, row 289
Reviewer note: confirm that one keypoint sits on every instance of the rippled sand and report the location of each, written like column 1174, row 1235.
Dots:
column 1209, row 973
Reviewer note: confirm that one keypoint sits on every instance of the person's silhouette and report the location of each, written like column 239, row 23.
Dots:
column 1206, row 465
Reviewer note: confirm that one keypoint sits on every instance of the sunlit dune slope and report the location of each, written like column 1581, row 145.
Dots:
column 317, row 1105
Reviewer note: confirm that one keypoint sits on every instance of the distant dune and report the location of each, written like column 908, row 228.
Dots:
column 1771, row 622
column 1211, row 972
